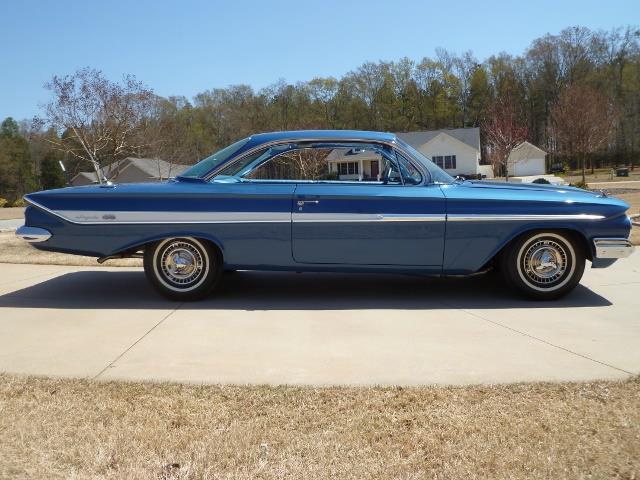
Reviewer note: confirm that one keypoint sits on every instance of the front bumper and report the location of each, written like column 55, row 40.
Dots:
column 612, row 247
column 33, row 234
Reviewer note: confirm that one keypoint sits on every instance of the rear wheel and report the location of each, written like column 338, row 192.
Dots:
column 183, row 268
column 543, row 265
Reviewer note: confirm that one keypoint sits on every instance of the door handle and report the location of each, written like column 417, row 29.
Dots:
column 302, row 202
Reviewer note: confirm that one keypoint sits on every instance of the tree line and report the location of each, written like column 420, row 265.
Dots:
column 575, row 94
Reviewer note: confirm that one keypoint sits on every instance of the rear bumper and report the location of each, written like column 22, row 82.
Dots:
column 33, row 234
column 613, row 247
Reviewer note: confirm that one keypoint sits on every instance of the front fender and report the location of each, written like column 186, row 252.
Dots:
column 469, row 246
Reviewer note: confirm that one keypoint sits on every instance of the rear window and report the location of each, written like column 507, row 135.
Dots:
column 204, row 166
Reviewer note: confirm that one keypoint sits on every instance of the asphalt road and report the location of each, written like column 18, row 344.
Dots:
column 278, row 328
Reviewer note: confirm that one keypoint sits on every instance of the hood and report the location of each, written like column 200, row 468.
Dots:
column 538, row 191
column 530, row 198
column 542, row 187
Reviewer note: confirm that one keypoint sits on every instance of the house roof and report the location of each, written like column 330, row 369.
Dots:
column 88, row 175
column 347, row 155
column 153, row 167
column 530, row 145
column 468, row 136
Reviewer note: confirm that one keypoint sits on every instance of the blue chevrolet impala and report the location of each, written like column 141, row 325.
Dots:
column 320, row 201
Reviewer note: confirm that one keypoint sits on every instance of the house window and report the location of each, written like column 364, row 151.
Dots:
column 448, row 162
column 348, row 168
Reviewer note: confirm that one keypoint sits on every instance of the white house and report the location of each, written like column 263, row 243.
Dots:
column 526, row 160
column 352, row 164
column 458, row 152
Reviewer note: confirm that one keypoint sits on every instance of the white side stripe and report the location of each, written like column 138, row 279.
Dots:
column 86, row 217
column 365, row 217
column 519, row 217
column 94, row 217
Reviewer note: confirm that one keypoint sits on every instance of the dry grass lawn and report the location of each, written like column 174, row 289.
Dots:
column 632, row 198
column 86, row 429
column 11, row 213
column 602, row 175
column 14, row 250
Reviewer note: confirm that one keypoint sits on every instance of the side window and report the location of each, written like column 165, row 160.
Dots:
column 363, row 163
column 299, row 164
column 410, row 174
column 347, row 164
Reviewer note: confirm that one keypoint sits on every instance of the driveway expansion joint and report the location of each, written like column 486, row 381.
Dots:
column 112, row 363
column 546, row 342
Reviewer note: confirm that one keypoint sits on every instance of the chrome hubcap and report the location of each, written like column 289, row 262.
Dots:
column 181, row 263
column 545, row 261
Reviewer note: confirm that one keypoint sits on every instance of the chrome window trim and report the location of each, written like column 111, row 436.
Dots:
column 426, row 175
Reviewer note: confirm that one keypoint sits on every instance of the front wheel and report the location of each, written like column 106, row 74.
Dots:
column 543, row 265
column 183, row 268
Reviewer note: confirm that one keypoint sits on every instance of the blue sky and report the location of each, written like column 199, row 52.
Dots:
column 185, row 47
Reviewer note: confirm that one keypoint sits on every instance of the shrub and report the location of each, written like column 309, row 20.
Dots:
column 3, row 202
column 20, row 203
column 580, row 184
column 541, row 180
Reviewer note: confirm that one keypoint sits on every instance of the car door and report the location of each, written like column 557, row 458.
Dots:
column 362, row 219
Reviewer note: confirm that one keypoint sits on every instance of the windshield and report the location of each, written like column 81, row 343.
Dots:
column 211, row 162
column 437, row 174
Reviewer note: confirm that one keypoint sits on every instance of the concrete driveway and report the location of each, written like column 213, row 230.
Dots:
column 10, row 225
column 317, row 328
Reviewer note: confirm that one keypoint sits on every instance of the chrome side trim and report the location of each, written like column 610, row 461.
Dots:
column 520, row 217
column 33, row 234
column 82, row 217
column 613, row 247
column 86, row 217
column 364, row 217
column 98, row 217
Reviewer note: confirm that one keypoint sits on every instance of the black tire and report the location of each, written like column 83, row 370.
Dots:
column 543, row 265
column 183, row 268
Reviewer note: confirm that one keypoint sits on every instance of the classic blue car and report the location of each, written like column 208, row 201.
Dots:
column 332, row 201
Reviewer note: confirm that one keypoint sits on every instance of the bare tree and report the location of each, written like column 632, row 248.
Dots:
column 100, row 121
column 582, row 122
column 505, row 128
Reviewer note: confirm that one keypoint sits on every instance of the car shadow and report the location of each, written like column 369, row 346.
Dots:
column 102, row 289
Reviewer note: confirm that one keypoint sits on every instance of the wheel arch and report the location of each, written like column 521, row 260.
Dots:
column 143, row 243
column 575, row 234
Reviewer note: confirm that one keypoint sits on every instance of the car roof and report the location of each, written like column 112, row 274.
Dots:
column 320, row 135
